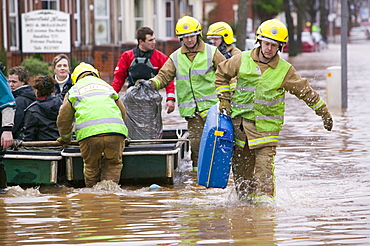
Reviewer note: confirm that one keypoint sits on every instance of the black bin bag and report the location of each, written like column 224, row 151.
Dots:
column 143, row 112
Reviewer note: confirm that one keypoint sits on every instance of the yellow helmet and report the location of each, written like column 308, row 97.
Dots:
column 273, row 30
column 81, row 69
column 221, row 29
column 188, row 26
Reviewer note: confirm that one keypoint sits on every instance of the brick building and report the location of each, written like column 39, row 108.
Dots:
column 102, row 29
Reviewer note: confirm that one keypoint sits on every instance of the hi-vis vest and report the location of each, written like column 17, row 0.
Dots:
column 258, row 97
column 96, row 109
column 195, row 81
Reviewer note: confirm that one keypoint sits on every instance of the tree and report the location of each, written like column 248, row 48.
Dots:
column 288, row 16
column 267, row 9
column 241, row 25
column 323, row 20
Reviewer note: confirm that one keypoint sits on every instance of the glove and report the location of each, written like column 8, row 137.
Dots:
column 144, row 82
column 225, row 106
column 64, row 141
column 328, row 121
column 16, row 144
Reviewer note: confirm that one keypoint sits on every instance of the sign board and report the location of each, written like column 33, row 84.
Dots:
column 46, row 31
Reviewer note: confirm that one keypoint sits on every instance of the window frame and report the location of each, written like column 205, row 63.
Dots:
column 13, row 44
column 49, row 2
column 102, row 19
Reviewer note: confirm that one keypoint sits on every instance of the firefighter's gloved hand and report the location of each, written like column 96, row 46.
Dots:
column 64, row 141
column 16, row 144
column 144, row 82
column 225, row 106
column 328, row 121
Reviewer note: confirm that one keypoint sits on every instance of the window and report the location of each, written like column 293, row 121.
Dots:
column 169, row 19
column 102, row 22
column 14, row 28
column 77, row 22
column 139, row 13
column 49, row 4
column 120, row 15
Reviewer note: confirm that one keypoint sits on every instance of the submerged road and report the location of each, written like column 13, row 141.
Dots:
column 322, row 178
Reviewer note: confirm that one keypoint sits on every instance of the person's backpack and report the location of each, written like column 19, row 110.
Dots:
column 141, row 68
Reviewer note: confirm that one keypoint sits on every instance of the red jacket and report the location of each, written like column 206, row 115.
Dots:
column 121, row 71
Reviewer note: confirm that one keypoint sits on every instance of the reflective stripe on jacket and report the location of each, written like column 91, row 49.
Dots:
column 259, row 97
column 96, row 109
column 195, row 81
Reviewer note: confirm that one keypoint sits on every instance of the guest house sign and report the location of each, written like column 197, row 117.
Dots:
column 46, row 31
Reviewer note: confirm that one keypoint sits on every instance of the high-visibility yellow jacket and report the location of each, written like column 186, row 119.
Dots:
column 95, row 110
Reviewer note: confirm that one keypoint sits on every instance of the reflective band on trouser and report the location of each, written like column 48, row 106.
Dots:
column 239, row 142
column 317, row 105
column 263, row 140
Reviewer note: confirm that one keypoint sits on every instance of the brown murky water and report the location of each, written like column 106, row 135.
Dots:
column 323, row 188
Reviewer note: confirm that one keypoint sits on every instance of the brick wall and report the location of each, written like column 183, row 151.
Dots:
column 103, row 57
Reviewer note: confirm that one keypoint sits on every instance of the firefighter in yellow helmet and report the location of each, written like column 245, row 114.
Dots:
column 257, row 108
column 193, row 65
column 222, row 36
column 98, row 114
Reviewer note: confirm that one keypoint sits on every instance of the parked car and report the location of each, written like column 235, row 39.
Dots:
column 307, row 45
column 359, row 33
column 309, row 39
column 319, row 41
column 249, row 43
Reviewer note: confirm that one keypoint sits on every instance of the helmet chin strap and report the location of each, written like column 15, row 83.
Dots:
column 264, row 55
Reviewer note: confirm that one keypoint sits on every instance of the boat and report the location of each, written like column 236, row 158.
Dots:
column 145, row 161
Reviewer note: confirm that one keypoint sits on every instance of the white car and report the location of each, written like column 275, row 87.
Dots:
column 359, row 33
column 249, row 43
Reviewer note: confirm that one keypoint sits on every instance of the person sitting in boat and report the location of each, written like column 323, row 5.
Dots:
column 41, row 115
column 99, row 116
column 23, row 93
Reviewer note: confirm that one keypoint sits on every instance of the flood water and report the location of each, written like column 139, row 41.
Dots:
column 323, row 187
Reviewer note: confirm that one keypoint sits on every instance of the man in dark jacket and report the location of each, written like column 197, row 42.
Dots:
column 23, row 93
column 145, row 49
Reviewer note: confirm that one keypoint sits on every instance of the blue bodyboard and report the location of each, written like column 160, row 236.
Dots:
column 215, row 151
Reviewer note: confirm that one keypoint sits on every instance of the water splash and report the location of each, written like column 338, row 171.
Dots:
column 17, row 191
column 107, row 185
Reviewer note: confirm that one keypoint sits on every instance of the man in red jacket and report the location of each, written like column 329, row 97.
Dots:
column 144, row 49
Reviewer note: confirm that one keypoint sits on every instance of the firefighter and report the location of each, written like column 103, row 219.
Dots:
column 222, row 36
column 193, row 65
column 257, row 108
column 99, row 115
